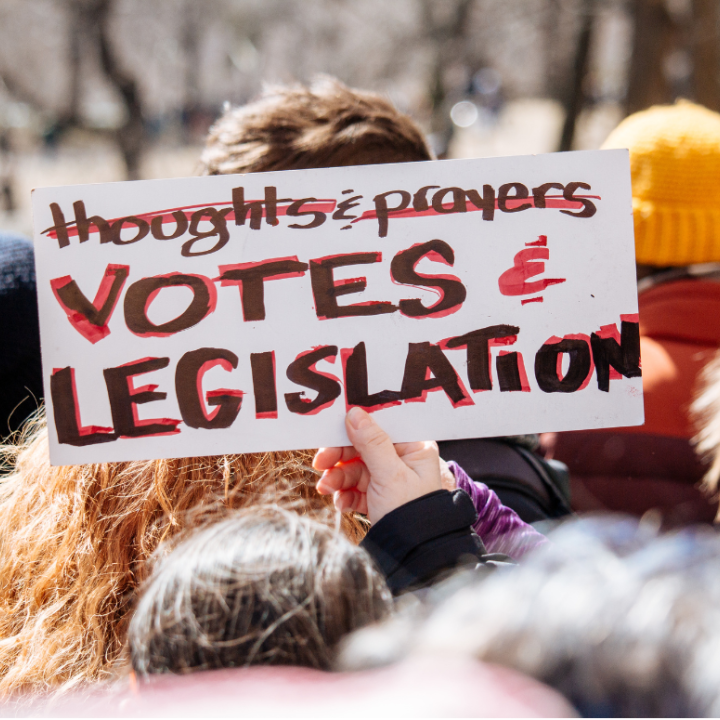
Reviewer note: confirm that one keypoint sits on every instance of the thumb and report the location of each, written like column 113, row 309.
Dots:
column 373, row 443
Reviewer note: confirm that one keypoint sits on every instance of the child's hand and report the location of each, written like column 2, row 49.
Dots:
column 374, row 476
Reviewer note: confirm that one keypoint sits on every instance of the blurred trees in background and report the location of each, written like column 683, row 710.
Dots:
column 136, row 73
column 675, row 53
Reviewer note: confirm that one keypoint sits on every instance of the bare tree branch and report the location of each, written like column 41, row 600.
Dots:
column 706, row 60
column 575, row 96
column 447, row 37
column 131, row 135
column 655, row 36
column 21, row 92
column 71, row 116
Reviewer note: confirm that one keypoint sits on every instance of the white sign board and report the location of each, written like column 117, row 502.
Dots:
column 241, row 313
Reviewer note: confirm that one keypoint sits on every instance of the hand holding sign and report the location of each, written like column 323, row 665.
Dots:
column 374, row 477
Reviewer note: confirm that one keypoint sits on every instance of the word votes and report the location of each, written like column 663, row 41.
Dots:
column 91, row 319
column 312, row 212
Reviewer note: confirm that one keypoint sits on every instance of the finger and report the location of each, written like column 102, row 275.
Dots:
column 423, row 459
column 417, row 452
column 410, row 448
column 325, row 458
column 373, row 444
column 361, row 506
column 447, row 478
column 420, row 456
column 350, row 501
column 353, row 475
column 323, row 488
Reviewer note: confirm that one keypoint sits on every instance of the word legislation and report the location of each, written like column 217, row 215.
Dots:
column 244, row 313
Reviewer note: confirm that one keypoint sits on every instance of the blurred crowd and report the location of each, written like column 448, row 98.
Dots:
column 571, row 573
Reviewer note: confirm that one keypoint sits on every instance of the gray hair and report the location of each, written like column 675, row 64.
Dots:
column 621, row 620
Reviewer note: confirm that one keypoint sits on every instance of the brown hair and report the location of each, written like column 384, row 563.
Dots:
column 324, row 125
column 263, row 587
column 74, row 543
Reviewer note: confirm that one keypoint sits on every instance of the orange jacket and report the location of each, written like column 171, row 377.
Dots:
column 679, row 334
column 653, row 466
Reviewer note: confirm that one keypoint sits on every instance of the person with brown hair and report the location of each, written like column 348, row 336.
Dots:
column 265, row 586
column 330, row 125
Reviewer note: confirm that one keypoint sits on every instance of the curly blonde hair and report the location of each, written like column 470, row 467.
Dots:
column 75, row 540
column 706, row 411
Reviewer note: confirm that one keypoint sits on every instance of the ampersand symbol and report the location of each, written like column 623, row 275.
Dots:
column 526, row 264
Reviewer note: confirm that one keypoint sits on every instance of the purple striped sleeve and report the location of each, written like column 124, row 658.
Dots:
column 499, row 527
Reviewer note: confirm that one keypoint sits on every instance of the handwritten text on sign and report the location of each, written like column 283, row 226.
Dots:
column 245, row 313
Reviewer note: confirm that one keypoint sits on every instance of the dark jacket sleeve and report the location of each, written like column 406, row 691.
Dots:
column 418, row 541
column 21, row 388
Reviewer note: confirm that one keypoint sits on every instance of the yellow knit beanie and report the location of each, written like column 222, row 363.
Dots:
column 675, row 168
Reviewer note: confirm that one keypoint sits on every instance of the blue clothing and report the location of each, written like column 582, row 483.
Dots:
column 20, row 367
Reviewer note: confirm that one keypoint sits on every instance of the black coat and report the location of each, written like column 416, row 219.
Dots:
column 21, row 387
column 421, row 541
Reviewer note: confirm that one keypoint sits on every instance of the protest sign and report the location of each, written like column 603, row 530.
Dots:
column 241, row 313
